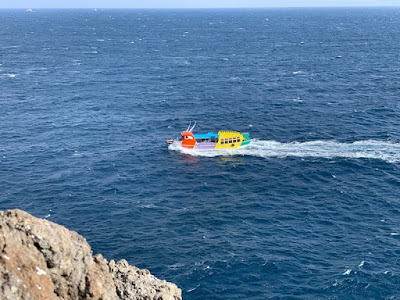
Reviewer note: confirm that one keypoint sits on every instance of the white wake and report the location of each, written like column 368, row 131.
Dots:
column 372, row 149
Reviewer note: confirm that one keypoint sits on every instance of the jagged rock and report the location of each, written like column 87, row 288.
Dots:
column 42, row 260
column 134, row 283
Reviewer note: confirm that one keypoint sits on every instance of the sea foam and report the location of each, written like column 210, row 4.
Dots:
column 368, row 149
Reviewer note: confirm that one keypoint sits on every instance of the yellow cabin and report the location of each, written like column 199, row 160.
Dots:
column 229, row 139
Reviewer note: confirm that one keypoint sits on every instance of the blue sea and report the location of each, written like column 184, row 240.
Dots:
column 309, row 210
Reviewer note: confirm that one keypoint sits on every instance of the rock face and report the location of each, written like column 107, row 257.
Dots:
column 42, row 260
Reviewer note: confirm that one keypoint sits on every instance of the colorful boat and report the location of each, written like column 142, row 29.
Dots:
column 224, row 139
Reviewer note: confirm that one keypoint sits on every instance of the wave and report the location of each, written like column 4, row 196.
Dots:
column 370, row 149
column 10, row 75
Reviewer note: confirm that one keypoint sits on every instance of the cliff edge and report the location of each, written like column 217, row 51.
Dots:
column 42, row 260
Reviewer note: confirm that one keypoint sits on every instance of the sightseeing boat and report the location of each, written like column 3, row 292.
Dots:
column 224, row 139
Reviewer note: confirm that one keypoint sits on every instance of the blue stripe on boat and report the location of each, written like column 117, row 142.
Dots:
column 206, row 135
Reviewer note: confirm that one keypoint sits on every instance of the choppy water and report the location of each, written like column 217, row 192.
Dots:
column 310, row 209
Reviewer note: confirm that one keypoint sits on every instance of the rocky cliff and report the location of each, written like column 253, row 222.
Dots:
column 42, row 260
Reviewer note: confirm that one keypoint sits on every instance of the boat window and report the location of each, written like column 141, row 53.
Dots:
column 234, row 140
column 226, row 141
column 230, row 140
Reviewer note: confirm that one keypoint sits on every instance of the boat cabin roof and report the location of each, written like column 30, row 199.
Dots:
column 206, row 135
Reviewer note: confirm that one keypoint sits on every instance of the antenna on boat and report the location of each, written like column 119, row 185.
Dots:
column 189, row 126
column 191, row 129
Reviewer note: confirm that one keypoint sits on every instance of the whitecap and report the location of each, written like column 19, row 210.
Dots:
column 176, row 266
column 148, row 206
column 191, row 290
column 347, row 272
column 235, row 79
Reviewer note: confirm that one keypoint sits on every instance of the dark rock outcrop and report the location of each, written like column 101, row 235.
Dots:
column 42, row 260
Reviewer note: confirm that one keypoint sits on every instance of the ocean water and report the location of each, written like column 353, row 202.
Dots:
column 309, row 210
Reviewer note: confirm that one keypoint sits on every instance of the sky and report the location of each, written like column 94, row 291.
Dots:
column 189, row 3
